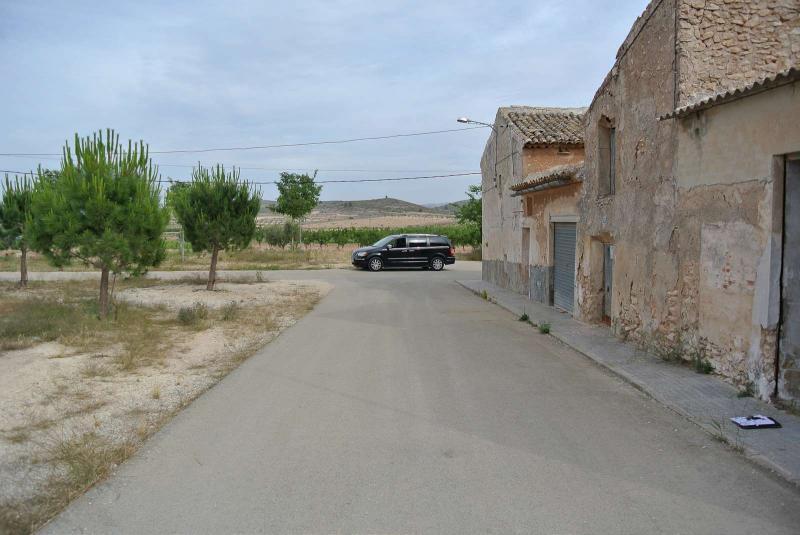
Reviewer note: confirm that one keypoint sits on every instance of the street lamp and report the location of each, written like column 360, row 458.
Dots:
column 467, row 120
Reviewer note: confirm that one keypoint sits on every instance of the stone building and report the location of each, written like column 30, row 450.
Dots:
column 532, row 172
column 690, row 209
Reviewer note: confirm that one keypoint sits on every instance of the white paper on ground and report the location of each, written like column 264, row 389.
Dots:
column 756, row 420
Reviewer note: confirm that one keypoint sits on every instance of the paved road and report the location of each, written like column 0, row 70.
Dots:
column 405, row 404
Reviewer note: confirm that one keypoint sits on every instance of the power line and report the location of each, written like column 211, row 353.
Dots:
column 282, row 145
column 272, row 182
column 314, row 168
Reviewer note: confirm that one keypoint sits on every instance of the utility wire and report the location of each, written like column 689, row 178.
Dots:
column 282, row 145
column 309, row 168
column 271, row 182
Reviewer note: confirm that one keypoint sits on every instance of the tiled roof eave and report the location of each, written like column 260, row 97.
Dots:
column 558, row 183
column 562, row 174
column 789, row 76
column 575, row 143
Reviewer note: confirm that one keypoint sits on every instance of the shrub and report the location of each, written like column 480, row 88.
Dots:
column 230, row 311
column 193, row 314
column 524, row 317
column 544, row 328
column 702, row 365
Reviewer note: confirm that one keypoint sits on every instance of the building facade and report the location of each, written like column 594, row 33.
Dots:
column 532, row 172
column 690, row 200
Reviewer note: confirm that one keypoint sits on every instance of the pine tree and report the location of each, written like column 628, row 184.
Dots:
column 217, row 212
column 103, row 207
column 14, row 210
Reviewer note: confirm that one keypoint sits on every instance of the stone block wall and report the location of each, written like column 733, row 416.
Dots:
column 695, row 217
column 724, row 44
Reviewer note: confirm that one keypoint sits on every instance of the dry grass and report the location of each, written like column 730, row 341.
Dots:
column 255, row 257
column 77, row 462
column 80, row 441
column 263, row 258
column 67, row 313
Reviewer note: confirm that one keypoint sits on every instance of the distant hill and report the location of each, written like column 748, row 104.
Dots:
column 449, row 207
column 373, row 207
column 384, row 212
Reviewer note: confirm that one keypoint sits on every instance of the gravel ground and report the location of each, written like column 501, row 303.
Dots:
column 50, row 393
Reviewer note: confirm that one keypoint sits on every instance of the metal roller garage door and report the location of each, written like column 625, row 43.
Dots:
column 564, row 265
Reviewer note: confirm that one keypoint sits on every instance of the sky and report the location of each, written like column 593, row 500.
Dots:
column 198, row 74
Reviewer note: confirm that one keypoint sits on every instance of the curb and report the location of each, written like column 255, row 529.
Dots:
column 747, row 452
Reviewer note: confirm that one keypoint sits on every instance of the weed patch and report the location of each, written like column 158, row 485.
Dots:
column 544, row 328
column 229, row 312
column 191, row 316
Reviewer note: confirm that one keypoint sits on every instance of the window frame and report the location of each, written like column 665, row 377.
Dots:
column 417, row 238
column 606, row 164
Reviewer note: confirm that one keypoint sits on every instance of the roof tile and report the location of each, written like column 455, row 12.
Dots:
column 547, row 125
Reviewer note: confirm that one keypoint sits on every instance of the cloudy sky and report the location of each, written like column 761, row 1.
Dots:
column 197, row 74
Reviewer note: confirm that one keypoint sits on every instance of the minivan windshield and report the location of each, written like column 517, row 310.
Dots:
column 385, row 241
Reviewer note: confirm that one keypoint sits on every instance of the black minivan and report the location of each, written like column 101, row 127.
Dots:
column 406, row 250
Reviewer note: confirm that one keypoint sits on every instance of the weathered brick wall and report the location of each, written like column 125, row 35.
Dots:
column 724, row 44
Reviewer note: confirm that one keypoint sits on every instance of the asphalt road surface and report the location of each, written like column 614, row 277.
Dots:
column 405, row 404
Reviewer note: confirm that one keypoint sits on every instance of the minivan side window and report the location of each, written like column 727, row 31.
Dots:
column 439, row 242
column 400, row 242
column 417, row 241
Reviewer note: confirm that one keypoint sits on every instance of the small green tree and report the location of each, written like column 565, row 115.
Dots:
column 217, row 212
column 14, row 210
column 471, row 213
column 297, row 196
column 103, row 207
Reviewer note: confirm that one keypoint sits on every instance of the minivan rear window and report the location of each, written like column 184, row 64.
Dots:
column 438, row 242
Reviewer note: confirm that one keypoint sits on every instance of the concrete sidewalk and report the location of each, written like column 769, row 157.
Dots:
column 703, row 399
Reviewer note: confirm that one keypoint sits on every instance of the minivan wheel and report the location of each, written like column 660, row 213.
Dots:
column 437, row 263
column 375, row 264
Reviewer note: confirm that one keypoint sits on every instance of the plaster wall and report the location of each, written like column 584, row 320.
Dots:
column 730, row 229
column 537, row 159
column 503, row 214
column 693, row 220
column 639, row 218
column 550, row 204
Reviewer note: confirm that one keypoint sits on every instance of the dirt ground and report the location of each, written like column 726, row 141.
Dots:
column 77, row 403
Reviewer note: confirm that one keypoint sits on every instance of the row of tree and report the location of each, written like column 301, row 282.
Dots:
column 283, row 235
column 467, row 232
column 104, row 207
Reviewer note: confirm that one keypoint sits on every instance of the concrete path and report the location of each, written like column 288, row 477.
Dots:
column 404, row 404
column 704, row 399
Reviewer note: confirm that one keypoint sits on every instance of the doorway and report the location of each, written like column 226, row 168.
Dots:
column 787, row 365
column 564, row 235
column 608, row 279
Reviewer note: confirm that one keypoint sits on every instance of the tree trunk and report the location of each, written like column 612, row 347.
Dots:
column 23, row 267
column 103, row 293
column 212, row 273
